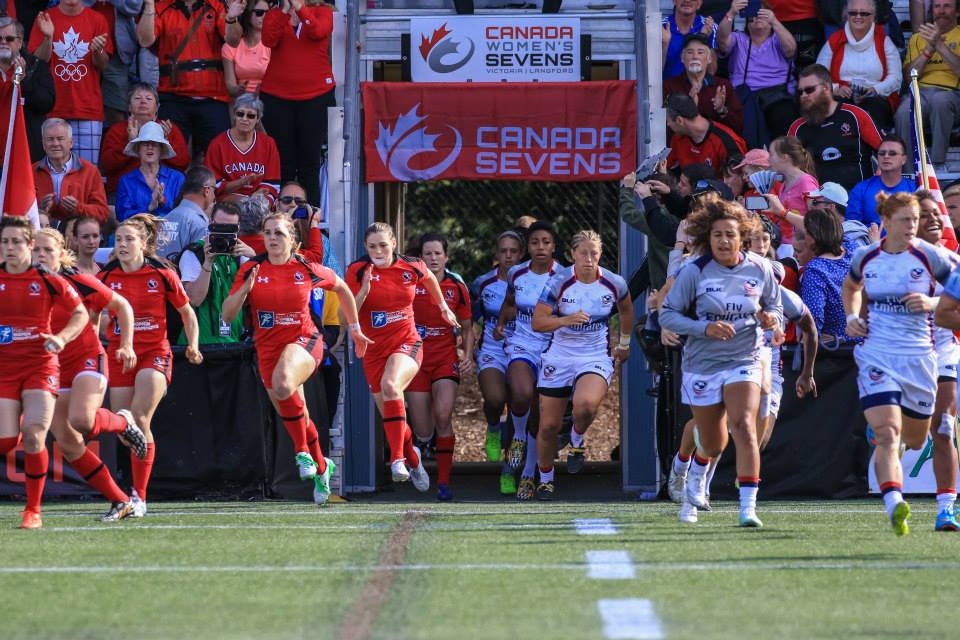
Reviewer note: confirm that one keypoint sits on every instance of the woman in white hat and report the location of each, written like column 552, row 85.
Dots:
column 151, row 188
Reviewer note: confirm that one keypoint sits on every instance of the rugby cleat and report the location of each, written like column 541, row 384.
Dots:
column 492, row 446
column 398, row 469
column 517, row 453
column 688, row 513
column 419, row 476
column 508, row 483
column 947, row 521
column 306, row 466
column 545, row 491
column 139, row 506
column 444, row 494
column 31, row 520
column 576, row 457
column 321, row 483
column 132, row 437
column 899, row 519
column 118, row 511
column 749, row 519
column 676, row 484
column 696, row 489
column 527, row 490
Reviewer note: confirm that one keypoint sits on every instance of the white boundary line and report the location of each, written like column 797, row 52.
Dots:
column 629, row 618
column 595, row 527
column 610, row 565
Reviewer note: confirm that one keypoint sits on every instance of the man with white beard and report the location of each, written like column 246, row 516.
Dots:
column 715, row 97
column 36, row 86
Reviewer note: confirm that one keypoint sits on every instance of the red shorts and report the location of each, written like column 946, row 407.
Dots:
column 375, row 363
column 157, row 359
column 39, row 372
column 95, row 365
column 438, row 364
column 267, row 359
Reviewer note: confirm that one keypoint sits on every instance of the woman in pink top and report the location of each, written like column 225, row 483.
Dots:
column 245, row 64
column 789, row 158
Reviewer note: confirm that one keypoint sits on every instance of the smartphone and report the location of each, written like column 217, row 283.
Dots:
column 751, row 10
column 301, row 213
column 756, row 203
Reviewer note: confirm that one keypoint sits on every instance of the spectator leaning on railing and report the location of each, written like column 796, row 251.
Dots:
column 67, row 185
column 36, row 86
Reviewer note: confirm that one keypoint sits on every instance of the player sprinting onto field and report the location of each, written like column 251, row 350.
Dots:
column 148, row 285
column 897, row 361
column 385, row 284
column 277, row 287
column 78, row 415
column 575, row 308
column 29, row 371
column 734, row 296
column 488, row 292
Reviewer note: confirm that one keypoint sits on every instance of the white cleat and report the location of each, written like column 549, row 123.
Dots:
column 676, row 484
column 688, row 513
column 419, row 475
column 139, row 506
column 398, row 469
column 306, row 466
column 696, row 490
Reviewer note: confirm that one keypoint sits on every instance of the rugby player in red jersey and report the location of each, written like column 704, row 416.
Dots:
column 29, row 377
column 432, row 394
column 385, row 284
column 148, row 285
column 83, row 376
column 277, row 286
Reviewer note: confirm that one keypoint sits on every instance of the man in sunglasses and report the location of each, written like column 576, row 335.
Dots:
column 36, row 87
column 187, row 222
column 892, row 156
column 841, row 137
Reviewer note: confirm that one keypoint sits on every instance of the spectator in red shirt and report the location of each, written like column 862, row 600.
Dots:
column 715, row 97
column 76, row 42
column 192, row 90
column 67, row 185
column 36, row 86
column 696, row 140
column 245, row 160
column 295, row 102
column 143, row 103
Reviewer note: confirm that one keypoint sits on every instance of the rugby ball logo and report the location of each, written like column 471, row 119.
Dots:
column 549, row 370
column 298, row 276
column 406, row 276
column 152, row 283
column 875, row 374
column 699, row 387
column 916, row 273
column 34, row 288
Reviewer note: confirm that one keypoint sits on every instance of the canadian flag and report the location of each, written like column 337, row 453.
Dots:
column 18, row 195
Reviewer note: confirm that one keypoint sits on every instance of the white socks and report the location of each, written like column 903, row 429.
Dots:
column 891, row 499
column 576, row 439
column 748, row 498
column 680, row 466
column 945, row 501
column 546, row 476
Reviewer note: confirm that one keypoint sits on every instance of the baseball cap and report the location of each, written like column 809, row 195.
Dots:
column 706, row 186
column 757, row 157
column 697, row 37
column 832, row 192
column 683, row 105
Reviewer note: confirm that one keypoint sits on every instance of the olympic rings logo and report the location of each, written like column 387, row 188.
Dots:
column 71, row 72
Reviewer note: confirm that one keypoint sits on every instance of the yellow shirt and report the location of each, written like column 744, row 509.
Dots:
column 937, row 72
column 331, row 304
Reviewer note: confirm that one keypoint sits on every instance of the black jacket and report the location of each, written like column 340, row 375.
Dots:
column 38, row 99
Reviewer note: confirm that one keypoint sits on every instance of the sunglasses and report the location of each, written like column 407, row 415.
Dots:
column 859, row 14
column 808, row 90
column 259, row 12
column 291, row 200
column 247, row 115
column 10, row 39
column 886, row 152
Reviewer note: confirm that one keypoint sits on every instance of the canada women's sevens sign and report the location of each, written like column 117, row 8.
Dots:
column 495, row 49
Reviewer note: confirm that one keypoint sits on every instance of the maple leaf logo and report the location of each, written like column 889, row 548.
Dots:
column 71, row 49
column 438, row 35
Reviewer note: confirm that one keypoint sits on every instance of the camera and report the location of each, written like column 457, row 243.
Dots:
column 301, row 213
column 222, row 238
column 756, row 203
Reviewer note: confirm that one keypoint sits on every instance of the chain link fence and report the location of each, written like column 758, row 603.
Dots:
column 472, row 213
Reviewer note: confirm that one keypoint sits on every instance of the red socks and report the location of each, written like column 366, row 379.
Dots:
column 294, row 420
column 445, row 458
column 35, row 470
column 313, row 443
column 8, row 444
column 395, row 428
column 413, row 460
column 95, row 472
column 107, row 421
column 141, row 471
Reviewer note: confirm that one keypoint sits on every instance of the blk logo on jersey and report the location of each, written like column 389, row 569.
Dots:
column 152, row 285
column 89, row 364
column 699, row 387
column 34, row 288
column 265, row 319
column 298, row 277
column 875, row 374
column 915, row 274
column 751, row 285
column 606, row 300
column 406, row 277
column 549, row 371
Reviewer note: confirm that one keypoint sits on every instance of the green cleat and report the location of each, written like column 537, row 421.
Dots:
column 901, row 513
column 492, row 446
column 321, row 483
column 508, row 483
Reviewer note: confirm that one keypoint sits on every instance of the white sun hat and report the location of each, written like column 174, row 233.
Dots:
column 150, row 132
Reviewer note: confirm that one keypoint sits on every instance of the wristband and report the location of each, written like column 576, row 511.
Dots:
column 443, row 306
column 624, row 342
column 853, row 316
column 354, row 326
column 926, row 55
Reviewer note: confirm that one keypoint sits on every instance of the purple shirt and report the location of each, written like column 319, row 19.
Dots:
column 768, row 65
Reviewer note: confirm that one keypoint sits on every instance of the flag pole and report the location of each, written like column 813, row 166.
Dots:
column 14, row 96
column 918, row 128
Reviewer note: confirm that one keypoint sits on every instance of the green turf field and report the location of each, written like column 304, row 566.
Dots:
column 480, row 570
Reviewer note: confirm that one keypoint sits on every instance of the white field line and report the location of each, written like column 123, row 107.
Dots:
column 558, row 566
column 382, row 526
column 610, row 565
column 629, row 618
column 595, row 527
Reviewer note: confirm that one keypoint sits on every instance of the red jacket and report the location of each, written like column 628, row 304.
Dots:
column 114, row 163
column 83, row 182
column 838, row 45
column 292, row 51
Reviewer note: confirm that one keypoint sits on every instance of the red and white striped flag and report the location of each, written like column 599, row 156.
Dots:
column 949, row 239
column 18, row 195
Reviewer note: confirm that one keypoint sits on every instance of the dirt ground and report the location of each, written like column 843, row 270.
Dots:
column 470, row 426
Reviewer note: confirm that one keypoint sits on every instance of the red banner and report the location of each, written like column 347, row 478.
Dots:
column 556, row 131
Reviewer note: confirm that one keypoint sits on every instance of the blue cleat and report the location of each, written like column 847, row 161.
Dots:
column 947, row 521
column 443, row 493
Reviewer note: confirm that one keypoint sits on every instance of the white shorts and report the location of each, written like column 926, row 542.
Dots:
column 516, row 351
column 492, row 356
column 948, row 356
column 706, row 389
column 559, row 371
column 909, row 381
